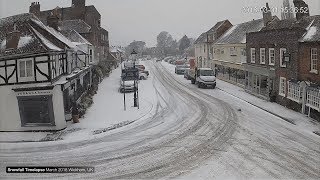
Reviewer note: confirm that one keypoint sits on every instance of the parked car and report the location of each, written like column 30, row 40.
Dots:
column 180, row 69
column 172, row 61
column 158, row 60
column 140, row 66
column 146, row 72
column 126, row 86
column 143, row 76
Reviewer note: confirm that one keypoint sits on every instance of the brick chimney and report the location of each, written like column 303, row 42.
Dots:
column 13, row 38
column 303, row 9
column 78, row 3
column 53, row 19
column 267, row 16
column 35, row 8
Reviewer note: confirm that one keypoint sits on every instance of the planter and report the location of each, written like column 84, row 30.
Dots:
column 75, row 118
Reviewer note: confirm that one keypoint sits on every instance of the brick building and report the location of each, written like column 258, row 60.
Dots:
column 282, row 62
column 86, row 20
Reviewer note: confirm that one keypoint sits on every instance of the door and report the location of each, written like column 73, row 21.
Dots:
column 256, row 83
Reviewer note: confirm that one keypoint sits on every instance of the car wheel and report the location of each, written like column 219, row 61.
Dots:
column 214, row 86
column 193, row 82
column 199, row 85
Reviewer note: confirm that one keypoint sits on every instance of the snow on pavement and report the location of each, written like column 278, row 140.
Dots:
column 107, row 111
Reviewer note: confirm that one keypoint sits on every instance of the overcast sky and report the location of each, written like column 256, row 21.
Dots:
column 128, row 20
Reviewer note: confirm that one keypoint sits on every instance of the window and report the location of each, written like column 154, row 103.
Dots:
column 314, row 60
column 243, row 52
column 222, row 51
column 282, row 62
column 262, row 56
column 271, row 56
column 233, row 51
column 294, row 92
column 282, row 86
column 204, row 48
column 36, row 110
column 90, row 54
column 218, row 51
column 26, row 68
column 253, row 55
column 313, row 98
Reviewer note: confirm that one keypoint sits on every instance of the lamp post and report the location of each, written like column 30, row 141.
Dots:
column 135, row 97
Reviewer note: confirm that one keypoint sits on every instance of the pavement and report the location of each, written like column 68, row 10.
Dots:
column 275, row 109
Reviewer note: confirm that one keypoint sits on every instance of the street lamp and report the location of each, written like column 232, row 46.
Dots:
column 135, row 97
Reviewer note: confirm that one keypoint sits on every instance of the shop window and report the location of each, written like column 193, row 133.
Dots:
column 294, row 92
column 36, row 111
column 313, row 98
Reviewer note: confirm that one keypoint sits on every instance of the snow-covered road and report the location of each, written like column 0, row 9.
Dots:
column 193, row 134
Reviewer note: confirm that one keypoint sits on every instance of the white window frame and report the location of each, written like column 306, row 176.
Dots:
column 282, row 86
column 314, row 60
column 272, row 56
column 262, row 55
column 313, row 98
column 281, row 54
column 253, row 55
column 294, row 92
column 27, row 76
column 233, row 51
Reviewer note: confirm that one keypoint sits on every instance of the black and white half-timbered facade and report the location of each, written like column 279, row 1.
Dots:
column 41, row 73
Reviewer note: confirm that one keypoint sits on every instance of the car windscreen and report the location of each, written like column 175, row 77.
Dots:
column 206, row 73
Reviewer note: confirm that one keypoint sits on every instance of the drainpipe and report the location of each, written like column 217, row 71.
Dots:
column 304, row 96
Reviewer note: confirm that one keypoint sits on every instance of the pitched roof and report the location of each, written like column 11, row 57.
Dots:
column 237, row 33
column 78, row 25
column 202, row 38
column 313, row 30
column 34, row 36
column 75, row 37
column 216, row 26
column 29, row 42
column 54, row 33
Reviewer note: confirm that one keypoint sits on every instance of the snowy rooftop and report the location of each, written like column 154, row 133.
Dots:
column 313, row 31
column 78, row 25
column 237, row 33
column 33, row 36
column 28, row 43
column 201, row 38
column 75, row 37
